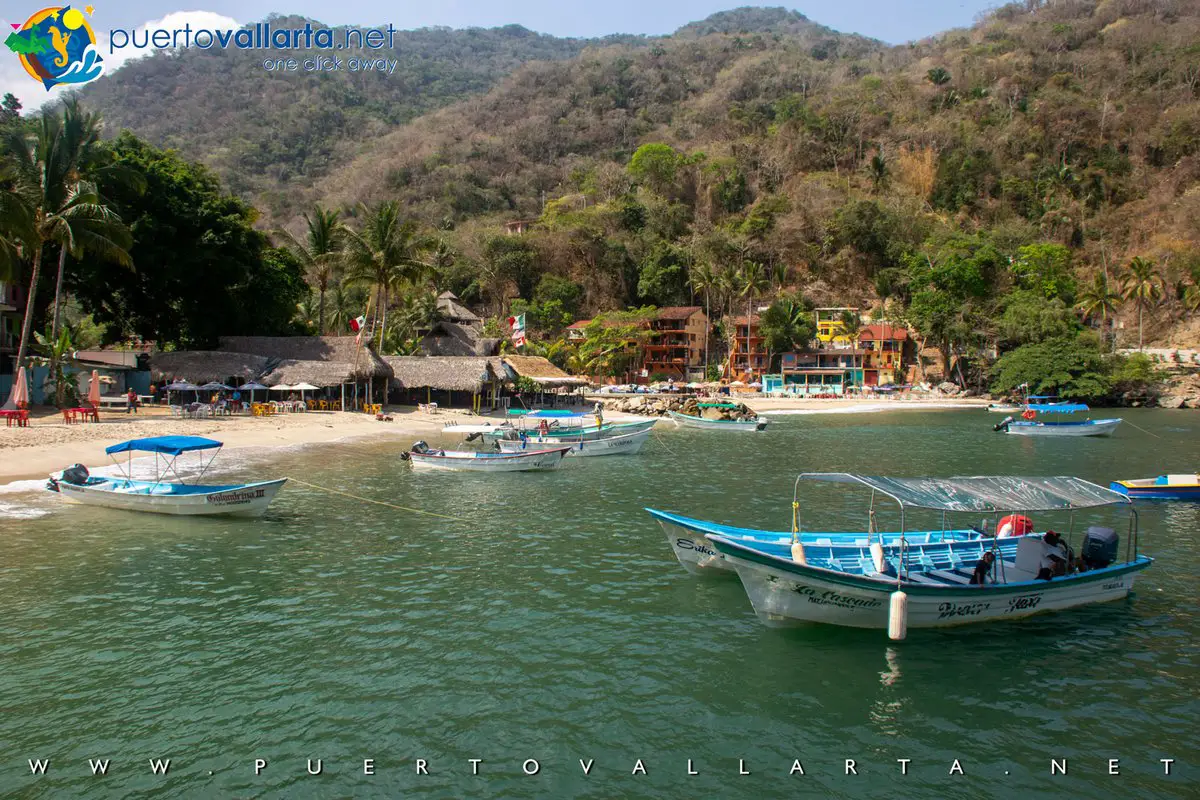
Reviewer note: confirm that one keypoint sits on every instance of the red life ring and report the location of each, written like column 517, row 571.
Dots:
column 1014, row 525
column 1029, row 413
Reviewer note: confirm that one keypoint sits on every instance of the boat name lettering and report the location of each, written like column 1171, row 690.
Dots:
column 831, row 598
column 947, row 610
column 235, row 498
column 1023, row 603
column 688, row 544
column 1113, row 585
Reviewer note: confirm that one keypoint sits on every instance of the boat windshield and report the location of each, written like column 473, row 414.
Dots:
column 986, row 494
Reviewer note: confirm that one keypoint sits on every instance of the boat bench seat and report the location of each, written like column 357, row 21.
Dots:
column 949, row 577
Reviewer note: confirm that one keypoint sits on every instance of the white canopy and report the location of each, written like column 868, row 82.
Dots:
column 306, row 387
column 985, row 493
column 281, row 387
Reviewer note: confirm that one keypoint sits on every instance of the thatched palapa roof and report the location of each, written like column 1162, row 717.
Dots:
column 203, row 366
column 540, row 370
column 452, row 339
column 446, row 373
column 344, row 358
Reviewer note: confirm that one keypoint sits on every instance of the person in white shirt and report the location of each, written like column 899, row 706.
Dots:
column 1054, row 557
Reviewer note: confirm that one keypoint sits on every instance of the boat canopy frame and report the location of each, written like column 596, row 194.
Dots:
column 993, row 495
column 170, row 448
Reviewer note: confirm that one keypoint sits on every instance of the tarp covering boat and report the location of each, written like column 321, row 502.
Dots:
column 1057, row 408
column 171, row 445
column 983, row 494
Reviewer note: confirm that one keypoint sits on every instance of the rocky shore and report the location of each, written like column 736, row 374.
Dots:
column 1181, row 391
column 658, row 406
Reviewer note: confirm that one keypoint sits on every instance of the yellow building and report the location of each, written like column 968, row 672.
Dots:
column 831, row 330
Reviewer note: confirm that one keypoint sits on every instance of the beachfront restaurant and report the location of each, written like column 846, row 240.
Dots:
column 555, row 387
column 435, row 382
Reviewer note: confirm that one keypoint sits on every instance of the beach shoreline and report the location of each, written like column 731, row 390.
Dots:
column 49, row 445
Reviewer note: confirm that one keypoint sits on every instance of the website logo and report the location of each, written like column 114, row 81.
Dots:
column 57, row 45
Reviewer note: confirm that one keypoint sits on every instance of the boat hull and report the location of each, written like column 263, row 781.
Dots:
column 467, row 461
column 249, row 500
column 748, row 426
column 1148, row 490
column 785, row 594
column 586, row 433
column 689, row 540
column 625, row 445
column 1095, row 427
column 1000, row 408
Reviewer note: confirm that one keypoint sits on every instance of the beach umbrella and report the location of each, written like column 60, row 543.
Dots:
column 94, row 389
column 214, row 386
column 281, row 387
column 19, row 397
column 305, row 387
column 179, row 386
column 252, row 387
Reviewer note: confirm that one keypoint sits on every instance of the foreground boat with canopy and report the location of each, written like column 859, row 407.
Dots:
column 689, row 541
column 161, row 496
column 926, row 588
column 1030, row 425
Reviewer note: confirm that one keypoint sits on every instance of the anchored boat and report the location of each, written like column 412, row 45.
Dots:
column 689, row 540
column 1030, row 425
column 423, row 457
column 931, row 586
column 1164, row 487
column 160, row 496
column 749, row 425
column 626, row 444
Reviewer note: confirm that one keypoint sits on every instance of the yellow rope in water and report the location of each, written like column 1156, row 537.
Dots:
column 1143, row 430
column 376, row 502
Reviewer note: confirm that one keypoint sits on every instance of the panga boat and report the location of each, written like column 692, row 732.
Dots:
column 422, row 457
column 1030, row 425
column 688, row 421
column 159, row 496
column 689, row 540
column 927, row 588
column 1164, row 487
column 627, row 444
column 1004, row 408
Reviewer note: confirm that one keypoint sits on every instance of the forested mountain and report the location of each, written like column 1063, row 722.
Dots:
column 264, row 132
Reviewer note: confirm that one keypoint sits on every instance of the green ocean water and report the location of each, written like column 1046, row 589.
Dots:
column 553, row 623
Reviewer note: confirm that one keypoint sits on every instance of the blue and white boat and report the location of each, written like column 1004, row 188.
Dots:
column 1030, row 425
column 425, row 458
column 930, row 586
column 688, row 538
column 1164, row 487
column 626, row 444
column 160, row 496
column 745, row 425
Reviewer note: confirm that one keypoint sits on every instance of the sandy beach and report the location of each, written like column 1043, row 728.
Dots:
column 48, row 444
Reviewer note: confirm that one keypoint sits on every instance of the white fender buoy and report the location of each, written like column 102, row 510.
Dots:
column 898, row 616
column 877, row 556
column 798, row 553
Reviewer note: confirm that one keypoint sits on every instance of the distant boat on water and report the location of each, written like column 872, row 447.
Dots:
column 1031, row 425
column 1164, row 487
column 747, row 425
column 424, row 458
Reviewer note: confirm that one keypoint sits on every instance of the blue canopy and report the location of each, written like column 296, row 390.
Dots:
column 1043, row 397
column 1057, row 408
column 171, row 445
column 553, row 413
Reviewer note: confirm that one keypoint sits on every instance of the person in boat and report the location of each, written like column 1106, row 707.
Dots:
column 982, row 568
column 599, row 414
column 1054, row 557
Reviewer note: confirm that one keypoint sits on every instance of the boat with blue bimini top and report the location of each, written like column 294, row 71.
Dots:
column 1164, row 487
column 1031, row 425
column 948, row 583
column 161, row 496
column 688, row 538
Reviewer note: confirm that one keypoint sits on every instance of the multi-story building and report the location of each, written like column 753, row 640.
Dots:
column 831, row 327
column 11, row 309
column 748, row 351
column 676, row 346
column 883, row 347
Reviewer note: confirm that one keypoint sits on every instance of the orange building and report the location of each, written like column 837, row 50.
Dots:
column 748, row 353
column 677, row 345
column 882, row 345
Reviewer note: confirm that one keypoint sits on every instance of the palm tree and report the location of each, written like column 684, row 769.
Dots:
column 345, row 302
column 1099, row 299
column 703, row 278
column 385, row 253
column 320, row 253
column 938, row 76
column 1144, row 286
column 754, row 282
column 67, row 210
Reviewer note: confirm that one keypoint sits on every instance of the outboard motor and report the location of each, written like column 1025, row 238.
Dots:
column 420, row 447
column 76, row 474
column 1099, row 547
column 1003, row 424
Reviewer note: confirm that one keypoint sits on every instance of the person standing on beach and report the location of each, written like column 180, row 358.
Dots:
column 131, row 402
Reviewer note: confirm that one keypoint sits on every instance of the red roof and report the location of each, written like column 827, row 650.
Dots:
column 883, row 331
column 742, row 320
column 677, row 312
column 578, row 326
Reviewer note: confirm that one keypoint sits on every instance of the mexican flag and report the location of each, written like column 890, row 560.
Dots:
column 517, row 324
column 357, row 323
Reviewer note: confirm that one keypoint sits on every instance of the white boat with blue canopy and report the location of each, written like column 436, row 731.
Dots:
column 1030, row 425
column 929, row 586
column 551, row 423
column 162, row 496
column 626, row 444
column 688, row 538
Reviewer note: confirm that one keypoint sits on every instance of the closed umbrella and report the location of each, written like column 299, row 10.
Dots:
column 94, row 389
column 19, row 397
